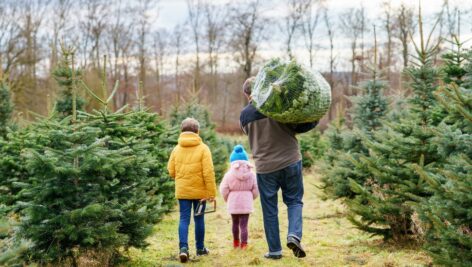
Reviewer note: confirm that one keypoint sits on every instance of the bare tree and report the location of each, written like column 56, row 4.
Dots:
column 143, row 30
column 119, row 45
column 10, row 36
column 296, row 9
column 406, row 27
column 214, row 26
column 177, row 44
column 60, row 26
column 31, row 18
column 248, row 32
column 93, row 27
column 309, row 23
column 332, row 57
column 160, row 46
column 195, row 11
column 353, row 25
column 389, row 27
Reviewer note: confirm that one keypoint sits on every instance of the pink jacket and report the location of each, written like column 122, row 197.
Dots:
column 239, row 188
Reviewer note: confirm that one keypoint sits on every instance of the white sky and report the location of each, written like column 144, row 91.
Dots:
column 172, row 12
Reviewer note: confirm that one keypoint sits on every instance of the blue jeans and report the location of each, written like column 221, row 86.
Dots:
column 290, row 180
column 185, row 206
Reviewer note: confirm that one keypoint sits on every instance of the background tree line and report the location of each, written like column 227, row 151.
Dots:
column 208, row 55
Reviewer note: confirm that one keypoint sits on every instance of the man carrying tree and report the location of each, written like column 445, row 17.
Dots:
column 277, row 157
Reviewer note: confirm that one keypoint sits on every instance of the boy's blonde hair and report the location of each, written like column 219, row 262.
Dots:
column 190, row 125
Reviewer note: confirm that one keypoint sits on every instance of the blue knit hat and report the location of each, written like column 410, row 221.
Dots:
column 238, row 154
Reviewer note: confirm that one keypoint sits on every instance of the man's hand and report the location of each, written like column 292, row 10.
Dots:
column 210, row 199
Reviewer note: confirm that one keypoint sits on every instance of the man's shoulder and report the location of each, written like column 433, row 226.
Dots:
column 250, row 114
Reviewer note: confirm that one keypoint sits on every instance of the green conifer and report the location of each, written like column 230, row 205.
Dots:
column 346, row 144
column 381, row 205
column 6, row 108
column 447, row 213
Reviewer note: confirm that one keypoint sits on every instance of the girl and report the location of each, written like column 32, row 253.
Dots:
column 239, row 189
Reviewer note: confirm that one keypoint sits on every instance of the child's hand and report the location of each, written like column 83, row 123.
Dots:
column 210, row 199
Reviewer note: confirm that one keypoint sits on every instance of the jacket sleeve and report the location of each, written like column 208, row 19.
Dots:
column 302, row 127
column 208, row 172
column 224, row 187
column 255, row 189
column 171, row 164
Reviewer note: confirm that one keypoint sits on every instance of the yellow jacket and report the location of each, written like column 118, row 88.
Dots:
column 191, row 166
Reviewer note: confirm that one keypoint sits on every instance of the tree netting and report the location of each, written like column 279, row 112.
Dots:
column 290, row 93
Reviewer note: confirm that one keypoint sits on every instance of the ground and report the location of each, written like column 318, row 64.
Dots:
column 328, row 237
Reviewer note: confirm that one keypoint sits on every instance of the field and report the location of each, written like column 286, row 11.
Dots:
column 329, row 239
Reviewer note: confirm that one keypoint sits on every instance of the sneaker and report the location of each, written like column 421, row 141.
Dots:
column 243, row 245
column 203, row 252
column 294, row 244
column 183, row 255
column 236, row 244
column 272, row 257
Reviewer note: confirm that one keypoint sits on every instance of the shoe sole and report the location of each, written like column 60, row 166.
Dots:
column 297, row 251
column 183, row 258
column 273, row 257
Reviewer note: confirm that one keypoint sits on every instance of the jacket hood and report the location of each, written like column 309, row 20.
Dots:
column 189, row 139
column 241, row 169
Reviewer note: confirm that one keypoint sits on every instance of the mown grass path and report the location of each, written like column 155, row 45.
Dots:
column 329, row 239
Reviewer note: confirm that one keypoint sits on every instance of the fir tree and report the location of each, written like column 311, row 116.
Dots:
column 381, row 205
column 64, row 76
column 346, row 145
column 11, row 249
column 6, row 108
column 93, row 182
column 312, row 147
column 217, row 145
column 447, row 213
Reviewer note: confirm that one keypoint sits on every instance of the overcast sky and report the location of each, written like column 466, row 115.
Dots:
column 172, row 12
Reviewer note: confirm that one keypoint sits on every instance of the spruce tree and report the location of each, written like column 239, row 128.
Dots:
column 217, row 145
column 382, row 204
column 447, row 213
column 6, row 108
column 346, row 144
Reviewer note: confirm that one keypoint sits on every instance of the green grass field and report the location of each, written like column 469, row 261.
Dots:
column 329, row 239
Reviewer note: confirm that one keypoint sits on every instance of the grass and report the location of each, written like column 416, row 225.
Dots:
column 329, row 239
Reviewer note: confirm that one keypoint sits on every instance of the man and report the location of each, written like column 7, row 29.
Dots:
column 278, row 165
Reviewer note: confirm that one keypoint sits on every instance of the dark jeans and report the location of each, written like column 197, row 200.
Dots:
column 290, row 180
column 185, row 213
column 240, row 222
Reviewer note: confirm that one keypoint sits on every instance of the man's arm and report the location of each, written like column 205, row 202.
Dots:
column 302, row 127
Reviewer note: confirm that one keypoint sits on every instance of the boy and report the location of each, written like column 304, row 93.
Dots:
column 191, row 166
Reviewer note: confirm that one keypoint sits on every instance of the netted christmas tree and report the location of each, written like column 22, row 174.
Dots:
column 217, row 145
column 6, row 108
column 447, row 213
column 346, row 144
column 382, row 203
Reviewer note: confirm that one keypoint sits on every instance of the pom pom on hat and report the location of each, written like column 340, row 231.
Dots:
column 238, row 154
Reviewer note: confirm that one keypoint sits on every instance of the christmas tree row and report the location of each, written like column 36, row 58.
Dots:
column 406, row 173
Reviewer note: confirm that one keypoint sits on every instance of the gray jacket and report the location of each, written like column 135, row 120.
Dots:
column 273, row 144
